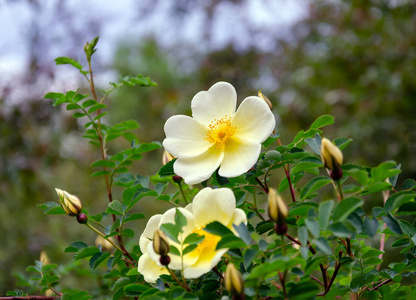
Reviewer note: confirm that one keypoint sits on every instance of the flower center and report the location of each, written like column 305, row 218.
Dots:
column 210, row 241
column 220, row 131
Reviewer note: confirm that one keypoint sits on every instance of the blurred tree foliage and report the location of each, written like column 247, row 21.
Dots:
column 352, row 59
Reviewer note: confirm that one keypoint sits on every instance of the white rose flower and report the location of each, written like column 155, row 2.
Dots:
column 217, row 135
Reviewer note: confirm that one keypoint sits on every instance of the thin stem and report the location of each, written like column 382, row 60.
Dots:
column 383, row 235
column 103, row 235
column 282, row 281
column 341, row 194
column 381, row 284
column 185, row 286
column 289, row 181
column 263, row 187
column 257, row 212
column 182, row 192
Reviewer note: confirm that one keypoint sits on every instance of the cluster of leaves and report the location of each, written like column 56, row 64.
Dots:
column 332, row 241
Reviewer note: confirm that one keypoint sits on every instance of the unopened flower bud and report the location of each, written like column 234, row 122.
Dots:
column 167, row 157
column 70, row 203
column 233, row 280
column 331, row 155
column 105, row 244
column 278, row 210
column 268, row 102
column 160, row 243
column 44, row 259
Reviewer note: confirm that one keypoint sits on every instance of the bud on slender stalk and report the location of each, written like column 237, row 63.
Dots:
column 278, row 210
column 167, row 157
column 331, row 155
column 234, row 282
column 268, row 102
column 160, row 243
column 70, row 203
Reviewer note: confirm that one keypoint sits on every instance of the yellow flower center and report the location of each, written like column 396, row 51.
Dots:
column 210, row 241
column 220, row 131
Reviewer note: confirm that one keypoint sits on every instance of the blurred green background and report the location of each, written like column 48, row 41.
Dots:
column 355, row 60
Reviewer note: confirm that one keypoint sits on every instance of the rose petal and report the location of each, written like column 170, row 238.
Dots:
column 240, row 155
column 254, row 120
column 220, row 100
column 213, row 205
column 197, row 169
column 185, row 137
column 149, row 269
column 205, row 263
column 148, row 232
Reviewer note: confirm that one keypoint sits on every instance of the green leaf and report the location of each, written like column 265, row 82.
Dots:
column 371, row 253
column 171, row 230
column 313, row 226
column 100, row 173
column 243, row 232
column 193, row 238
column 264, row 226
column 74, row 247
column 325, row 209
column 398, row 199
column 128, row 233
column 303, row 290
column 409, row 184
column 404, row 242
column 104, row 163
column 189, row 248
column 342, row 142
column 115, row 208
column 323, row 245
column 78, row 115
column 135, row 289
column 121, row 282
column 230, row 242
column 167, row 169
column 218, row 229
column 180, row 220
column 339, row 230
column 98, row 258
column 68, row 61
column 345, row 208
column 384, row 171
column 96, row 107
column 322, row 121
column 146, row 147
column 392, row 224
column 313, row 185
column 86, row 252
column 306, row 164
column 133, row 217
column 52, row 208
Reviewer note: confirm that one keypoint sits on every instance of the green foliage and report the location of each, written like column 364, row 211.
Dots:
column 327, row 250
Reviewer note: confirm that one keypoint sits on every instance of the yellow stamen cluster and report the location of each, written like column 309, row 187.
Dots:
column 220, row 131
column 210, row 240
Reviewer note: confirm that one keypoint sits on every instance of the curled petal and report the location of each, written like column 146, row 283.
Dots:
column 254, row 120
column 149, row 268
column 240, row 155
column 197, row 169
column 213, row 205
column 220, row 100
column 148, row 232
column 185, row 137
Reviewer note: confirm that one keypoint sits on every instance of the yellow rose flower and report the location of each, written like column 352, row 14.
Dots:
column 208, row 206
column 217, row 135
